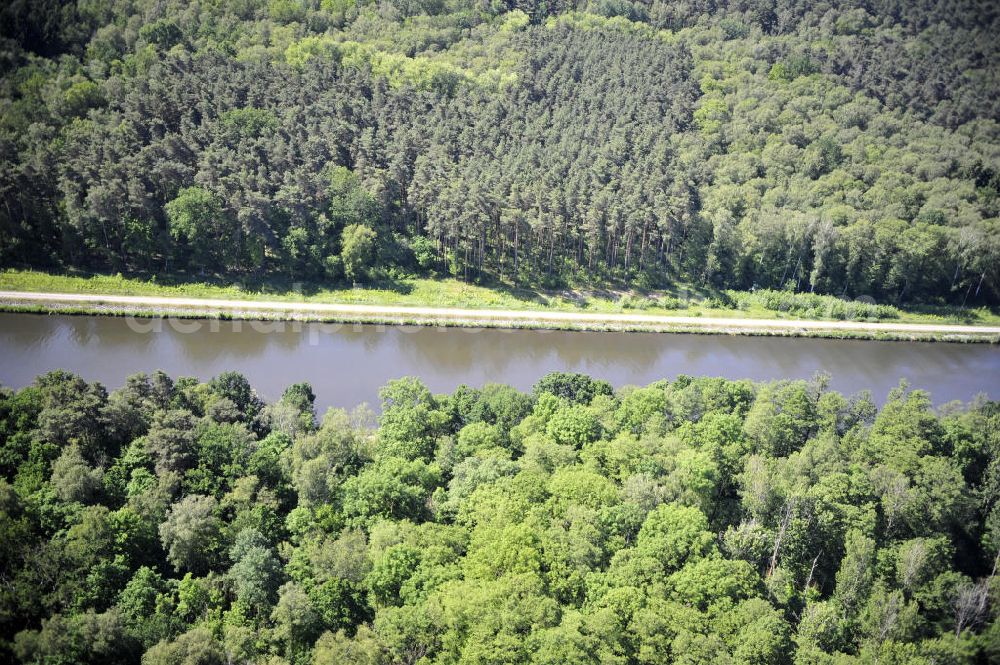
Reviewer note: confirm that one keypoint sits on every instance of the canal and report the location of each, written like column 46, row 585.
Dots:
column 346, row 364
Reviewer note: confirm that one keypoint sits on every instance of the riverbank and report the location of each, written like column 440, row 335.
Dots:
column 448, row 302
column 680, row 299
column 187, row 307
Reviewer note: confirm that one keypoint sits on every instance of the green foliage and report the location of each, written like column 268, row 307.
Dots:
column 811, row 304
column 249, row 122
column 81, row 638
column 694, row 520
column 255, row 574
column 144, row 606
column 164, row 33
column 391, row 489
column 573, row 425
column 190, row 532
column 410, row 422
column 197, row 647
column 358, row 250
column 714, row 585
column 674, row 535
column 73, row 478
column 235, row 387
column 196, row 218
column 577, row 388
column 795, row 154
column 390, row 572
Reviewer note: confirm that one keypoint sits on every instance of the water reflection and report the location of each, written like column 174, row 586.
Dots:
column 347, row 363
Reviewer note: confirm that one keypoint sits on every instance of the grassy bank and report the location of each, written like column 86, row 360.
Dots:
column 451, row 293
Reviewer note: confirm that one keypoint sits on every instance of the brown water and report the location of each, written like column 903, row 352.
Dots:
column 346, row 364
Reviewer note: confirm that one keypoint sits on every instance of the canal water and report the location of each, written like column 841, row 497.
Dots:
column 346, row 364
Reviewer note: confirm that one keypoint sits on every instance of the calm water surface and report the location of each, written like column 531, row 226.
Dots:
column 346, row 364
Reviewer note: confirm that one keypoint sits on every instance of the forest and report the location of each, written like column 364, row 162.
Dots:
column 174, row 521
column 845, row 147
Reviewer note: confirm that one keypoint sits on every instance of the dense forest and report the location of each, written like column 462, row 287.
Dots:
column 848, row 147
column 692, row 521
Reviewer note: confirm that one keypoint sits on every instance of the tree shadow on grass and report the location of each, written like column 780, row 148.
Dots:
column 272, row 285
column 966, row 315
column 285, row 286
column 516, row 291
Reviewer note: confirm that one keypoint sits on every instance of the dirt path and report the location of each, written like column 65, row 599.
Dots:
column 485, row 316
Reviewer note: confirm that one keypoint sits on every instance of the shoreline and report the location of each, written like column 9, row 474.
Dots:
column 210, row 308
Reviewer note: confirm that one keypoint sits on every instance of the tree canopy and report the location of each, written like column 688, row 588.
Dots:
column 694, row 520
column 846, row 148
